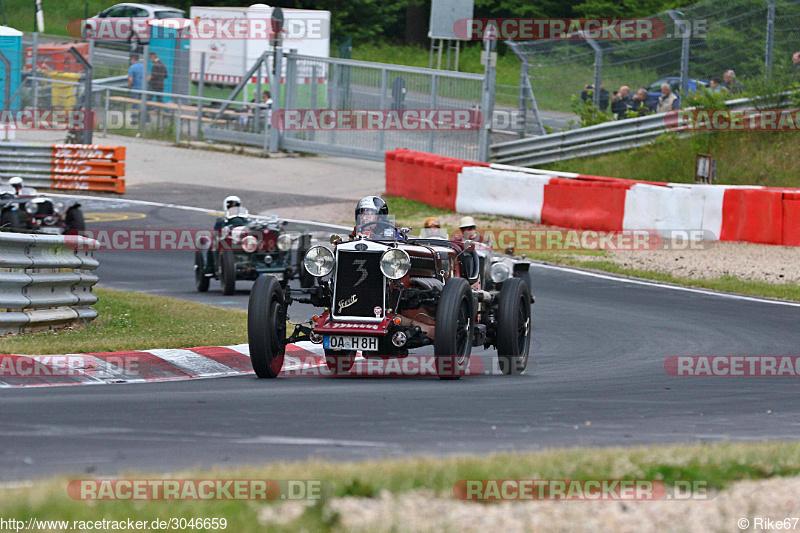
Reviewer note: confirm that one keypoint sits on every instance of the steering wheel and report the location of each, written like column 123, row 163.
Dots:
column 377, row 228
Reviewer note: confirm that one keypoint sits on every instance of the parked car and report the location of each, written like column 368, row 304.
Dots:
column 30, row 210
column 654, row 91
column 384, row 294
column 246, row 247
column 127, row 23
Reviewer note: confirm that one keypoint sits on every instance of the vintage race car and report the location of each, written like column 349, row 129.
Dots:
column 386, row 294
column 30, row 210
column 244, row 247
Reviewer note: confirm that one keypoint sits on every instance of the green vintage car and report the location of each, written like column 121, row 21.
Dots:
column 244, row 247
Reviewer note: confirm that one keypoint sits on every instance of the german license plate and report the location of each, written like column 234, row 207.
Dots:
column 346, row 342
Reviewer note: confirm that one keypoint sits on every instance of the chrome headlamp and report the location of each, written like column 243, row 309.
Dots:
column 31, row 207
column 284, row 242
column 318, row 261
column 395, row 263
column 499, row 272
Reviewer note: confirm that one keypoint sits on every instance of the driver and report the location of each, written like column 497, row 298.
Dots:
column 232, row 205
column 432, row 228
column 17, row 183
column 468, row 230
column 368, row 212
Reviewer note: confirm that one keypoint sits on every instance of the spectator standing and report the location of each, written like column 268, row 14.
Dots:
column 715, row 85
column 135, row 77
column 639, row 102
column 668, row 101
column 730, row 83
column 621, row 102
column 158, row 73
column 796, row 63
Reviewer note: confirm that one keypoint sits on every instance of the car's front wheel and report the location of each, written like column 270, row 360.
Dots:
column 73, row 220
column 266, row 327
column 513, row 326
column 227, row 273
column 340, row 361
column 201, row 281
column 454, row 324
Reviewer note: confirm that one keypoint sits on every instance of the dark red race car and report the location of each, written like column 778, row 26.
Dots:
column 384, row 294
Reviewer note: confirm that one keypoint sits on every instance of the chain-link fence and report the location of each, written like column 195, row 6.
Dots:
column 754, row 38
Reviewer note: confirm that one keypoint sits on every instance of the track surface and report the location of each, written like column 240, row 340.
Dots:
column 596, row 378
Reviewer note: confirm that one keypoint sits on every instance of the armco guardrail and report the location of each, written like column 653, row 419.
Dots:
column 594, row 140
column 45, row 281
column 87, row 167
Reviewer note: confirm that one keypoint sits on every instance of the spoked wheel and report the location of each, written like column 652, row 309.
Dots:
column 513, row 326
column 454, row 323
column 201, row 281
column 266, row 327
column 340, row 361
column 227, row 272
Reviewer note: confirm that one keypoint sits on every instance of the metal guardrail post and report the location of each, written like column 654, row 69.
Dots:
column 277, row 73
column 313, row 97
column 200, row 87
column 523, row 97
column 382, row 105
column 178, row 122
column 434, row 103
column 7, row 80
column 290, row 94
column 770, row 38
column 35, row 69
column 683, row 28
column 487, row 103
column 105, row 120
column 143, row 111
column 86, row 135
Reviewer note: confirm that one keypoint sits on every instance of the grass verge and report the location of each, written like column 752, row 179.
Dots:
column 136, row 321
column 718, row 465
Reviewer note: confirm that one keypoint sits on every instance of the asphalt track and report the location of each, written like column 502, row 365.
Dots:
column 596, row 378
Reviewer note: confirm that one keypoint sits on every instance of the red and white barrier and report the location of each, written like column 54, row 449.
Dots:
column 730, row 213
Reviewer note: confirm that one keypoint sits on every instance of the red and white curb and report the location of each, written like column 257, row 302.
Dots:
column 144, row 366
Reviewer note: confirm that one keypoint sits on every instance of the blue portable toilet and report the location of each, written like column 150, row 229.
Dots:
column 169, row 39
column 11, row 47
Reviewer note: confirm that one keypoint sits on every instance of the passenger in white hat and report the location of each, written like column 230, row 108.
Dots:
column 469, row 229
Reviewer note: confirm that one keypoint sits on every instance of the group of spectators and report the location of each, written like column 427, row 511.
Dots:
column 624, row 104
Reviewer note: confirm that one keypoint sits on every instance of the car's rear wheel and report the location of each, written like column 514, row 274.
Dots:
column 227, row 273
column 73, row 221
column 266, row 327
column 12, row 219
column 513, row 326
column 454, row 323
column 340, row 361
column 201, row 281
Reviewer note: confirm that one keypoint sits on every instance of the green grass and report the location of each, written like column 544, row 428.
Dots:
column 136, row 321
column 57, row 13
column 718, row 465
column 743, row 158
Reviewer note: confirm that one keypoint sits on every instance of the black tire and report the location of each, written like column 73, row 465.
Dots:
column 513, row 326
column 73, row 221
column 227, row 272
column 201, row 281
column 11, row 219
column 340, row 361
column 266, row 327
column 455, row 316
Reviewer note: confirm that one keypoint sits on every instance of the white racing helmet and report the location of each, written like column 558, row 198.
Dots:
column 16, row 182
column 231, row 201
